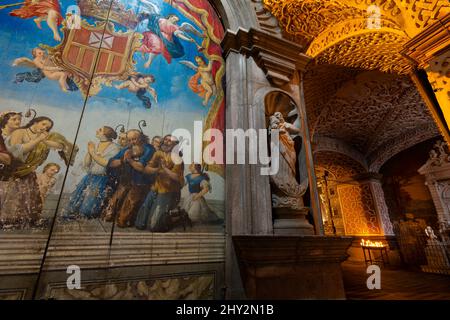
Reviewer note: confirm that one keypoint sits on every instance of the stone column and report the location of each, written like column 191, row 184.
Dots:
column 248, row 199
column 381, row 207
column 374, row 181
column 430, row 49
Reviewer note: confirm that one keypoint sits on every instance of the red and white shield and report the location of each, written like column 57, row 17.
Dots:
column 89, row 48
column 94, row 55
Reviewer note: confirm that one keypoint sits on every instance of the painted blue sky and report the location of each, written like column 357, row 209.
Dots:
column 18, row 37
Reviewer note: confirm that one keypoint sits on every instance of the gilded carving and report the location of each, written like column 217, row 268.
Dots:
column 370, row 51
column 438, row 72
column 358, row 210
column 340, row 165
column 341, row 26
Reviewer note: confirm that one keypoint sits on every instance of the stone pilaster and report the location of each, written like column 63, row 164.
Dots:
column 272, row 264
column 281, row 63
column 381, row 208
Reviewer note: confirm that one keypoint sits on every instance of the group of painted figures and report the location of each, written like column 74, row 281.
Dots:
column 163, row 37
column 134, row 181
column 23, row 149
column 137, row 182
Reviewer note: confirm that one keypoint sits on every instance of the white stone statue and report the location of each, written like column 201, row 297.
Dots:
column 430, row 233
column 436, row 254
column 287, row 192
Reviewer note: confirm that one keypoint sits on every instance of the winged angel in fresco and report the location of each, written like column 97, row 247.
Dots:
column 140, row 84
column 43, row 68
column 164, row 35
column 48, row 10
column 202, row 82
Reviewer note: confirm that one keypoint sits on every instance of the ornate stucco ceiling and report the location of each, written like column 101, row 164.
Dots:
column 370, row 111
column 339, row 31
column 340, row 165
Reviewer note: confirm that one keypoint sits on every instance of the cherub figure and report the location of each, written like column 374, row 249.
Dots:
column 45, row 68
column 46, row 180
column 202, row 83
column 48, row 10
column 140, row 84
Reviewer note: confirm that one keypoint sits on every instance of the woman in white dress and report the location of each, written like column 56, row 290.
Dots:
column 195, row 203
column 89, row 198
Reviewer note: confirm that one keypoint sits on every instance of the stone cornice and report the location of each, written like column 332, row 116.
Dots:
column 435, row 172
column 267, row 250
column 277, row 57
column 429, row 43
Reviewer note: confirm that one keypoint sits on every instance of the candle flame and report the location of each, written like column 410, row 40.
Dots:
column 368, row 243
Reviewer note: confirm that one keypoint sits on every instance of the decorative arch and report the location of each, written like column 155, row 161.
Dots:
column 325, row 144
column 405, row 141
column 340, row 165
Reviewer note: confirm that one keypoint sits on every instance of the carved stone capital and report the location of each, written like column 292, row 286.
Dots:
column 277, row 57
column 430, row 43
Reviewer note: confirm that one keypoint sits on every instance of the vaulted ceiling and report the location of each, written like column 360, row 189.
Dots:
column 367, row 34
column 358, row 89
column 370, row 111
column 366, row 109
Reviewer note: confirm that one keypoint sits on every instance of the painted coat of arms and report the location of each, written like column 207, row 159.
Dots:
column 95, row 54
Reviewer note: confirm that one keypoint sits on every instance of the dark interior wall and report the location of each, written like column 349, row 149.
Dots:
column 404, row 188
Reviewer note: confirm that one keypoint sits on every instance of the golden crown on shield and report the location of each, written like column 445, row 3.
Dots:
column 99, row 9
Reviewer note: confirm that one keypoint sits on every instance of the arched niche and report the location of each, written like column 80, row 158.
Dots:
column 289, row 182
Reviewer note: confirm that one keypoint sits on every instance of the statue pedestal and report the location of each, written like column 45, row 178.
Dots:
column 292, row 267
column 292, row 222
